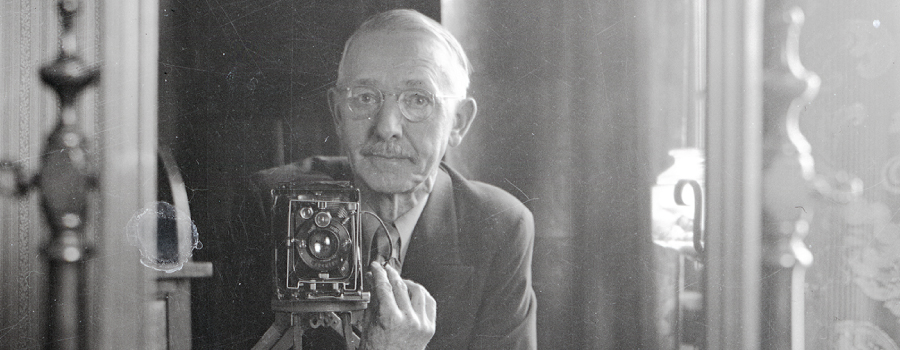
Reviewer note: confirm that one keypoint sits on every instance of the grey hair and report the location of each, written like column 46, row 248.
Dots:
column 411, row 20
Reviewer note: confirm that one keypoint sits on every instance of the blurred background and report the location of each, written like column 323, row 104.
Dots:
column 580, row 105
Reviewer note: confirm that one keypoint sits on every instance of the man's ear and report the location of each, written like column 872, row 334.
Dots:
column 463, row 118
column 336, row 118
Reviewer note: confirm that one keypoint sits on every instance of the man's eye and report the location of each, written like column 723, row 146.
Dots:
column 418, row 100
column 366, row 98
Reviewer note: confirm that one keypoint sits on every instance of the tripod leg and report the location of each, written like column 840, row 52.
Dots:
column 287, row 341
column 297, row 333
column 292, row 338
column 275, row 332
column 350, row 337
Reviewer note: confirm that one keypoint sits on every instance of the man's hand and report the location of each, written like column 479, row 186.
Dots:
column 402, row 315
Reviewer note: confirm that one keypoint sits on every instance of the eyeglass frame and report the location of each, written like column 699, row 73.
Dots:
column 402, row 106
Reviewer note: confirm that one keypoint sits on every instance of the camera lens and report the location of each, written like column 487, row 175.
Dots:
column 322, row 244
column 323, row 219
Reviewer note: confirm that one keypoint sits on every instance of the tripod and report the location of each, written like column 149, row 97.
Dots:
column 293, row 318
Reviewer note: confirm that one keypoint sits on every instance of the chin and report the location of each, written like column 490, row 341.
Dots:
column 389, row 184
column 387, row 181
column 388, row 176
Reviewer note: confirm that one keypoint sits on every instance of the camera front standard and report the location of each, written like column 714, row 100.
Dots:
column 318, row 255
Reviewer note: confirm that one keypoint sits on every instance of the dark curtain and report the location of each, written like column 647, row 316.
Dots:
column 559, row 126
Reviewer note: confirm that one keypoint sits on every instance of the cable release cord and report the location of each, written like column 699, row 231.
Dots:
column 372, row 241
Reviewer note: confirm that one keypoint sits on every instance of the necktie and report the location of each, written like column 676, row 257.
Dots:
column 384, row 243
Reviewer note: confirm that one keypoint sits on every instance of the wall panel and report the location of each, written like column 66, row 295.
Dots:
column 27, row 114
column 117, row 120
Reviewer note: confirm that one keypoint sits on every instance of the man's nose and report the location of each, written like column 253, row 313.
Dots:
column 389, row 122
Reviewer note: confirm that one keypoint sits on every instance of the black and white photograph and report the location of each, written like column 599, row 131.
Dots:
column 450, row 174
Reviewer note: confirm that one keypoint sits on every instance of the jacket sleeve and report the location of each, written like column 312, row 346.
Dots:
column 507, row 317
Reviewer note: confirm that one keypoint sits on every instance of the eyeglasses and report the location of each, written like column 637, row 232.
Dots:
column 364, row 101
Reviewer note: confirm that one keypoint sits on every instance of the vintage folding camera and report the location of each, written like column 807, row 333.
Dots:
column 317, row 230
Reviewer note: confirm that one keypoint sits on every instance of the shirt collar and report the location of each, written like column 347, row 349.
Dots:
column 407, row 222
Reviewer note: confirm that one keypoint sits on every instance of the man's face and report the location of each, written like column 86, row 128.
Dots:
column 388, row 152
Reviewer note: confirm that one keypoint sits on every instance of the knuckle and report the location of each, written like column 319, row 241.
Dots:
column 400, row 285
column 382, row 290
column 389, row 319
column 414, row 288
column 395, row 317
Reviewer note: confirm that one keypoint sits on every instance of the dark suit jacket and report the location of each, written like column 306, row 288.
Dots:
column 471, row 249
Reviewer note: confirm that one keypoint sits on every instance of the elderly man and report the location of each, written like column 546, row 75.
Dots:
column 399, row 103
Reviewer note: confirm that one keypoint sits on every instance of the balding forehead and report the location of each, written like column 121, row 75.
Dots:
column 417, row 46
column 395, row 51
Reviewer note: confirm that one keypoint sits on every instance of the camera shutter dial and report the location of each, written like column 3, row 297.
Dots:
column 323, row 248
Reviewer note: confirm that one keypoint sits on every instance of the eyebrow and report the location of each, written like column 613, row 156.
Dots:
column 416, row 83
column 412, row 83
column 430, row 81
column 365, row 82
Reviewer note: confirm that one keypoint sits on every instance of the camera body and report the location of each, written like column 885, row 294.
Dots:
column 318, row 257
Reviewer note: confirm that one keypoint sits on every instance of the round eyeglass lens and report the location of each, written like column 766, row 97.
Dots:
column 363, row 100
column 416, row 105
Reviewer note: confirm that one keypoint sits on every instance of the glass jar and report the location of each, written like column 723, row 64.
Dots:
column 678, row 201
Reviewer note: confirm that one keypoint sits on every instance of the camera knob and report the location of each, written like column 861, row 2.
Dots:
column 323, row 219
column 306, row 213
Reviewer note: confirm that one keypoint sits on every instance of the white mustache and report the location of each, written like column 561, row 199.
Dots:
column 385, row 150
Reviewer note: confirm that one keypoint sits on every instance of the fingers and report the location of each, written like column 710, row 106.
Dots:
column 382, row 288
column 396, row 294
column 403, row 312
column 422, row 301
column 401, row 292
column 430, row 306
column 416, row 297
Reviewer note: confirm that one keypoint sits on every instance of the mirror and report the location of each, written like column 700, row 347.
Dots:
column 579, row 106
column 591, row 113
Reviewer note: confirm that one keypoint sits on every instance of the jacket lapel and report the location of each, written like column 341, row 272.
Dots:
column 434, row 240
column 434, row 260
